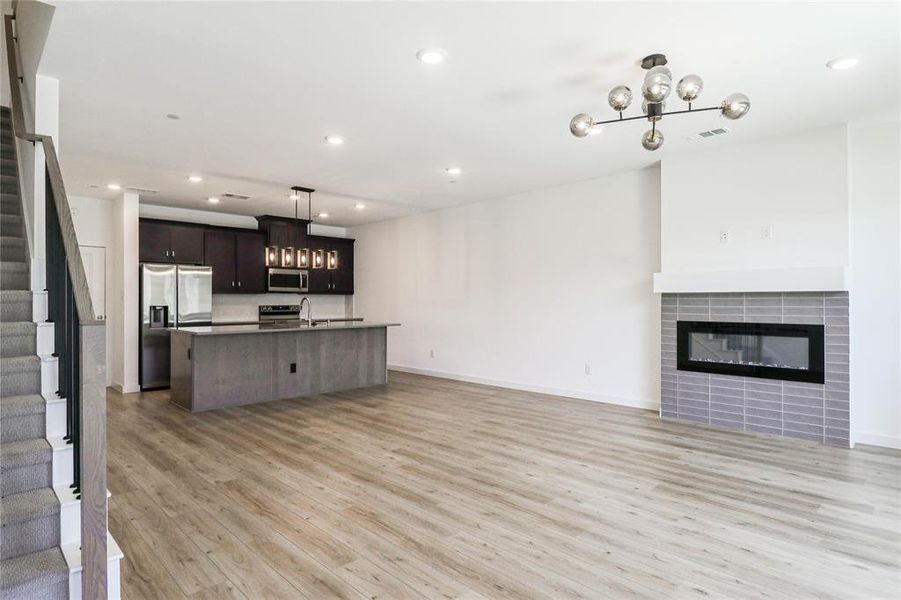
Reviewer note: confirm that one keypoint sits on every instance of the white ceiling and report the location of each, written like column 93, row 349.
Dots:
column 258, row 86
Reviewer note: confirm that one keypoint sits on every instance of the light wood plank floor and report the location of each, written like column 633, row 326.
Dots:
column 429, row 488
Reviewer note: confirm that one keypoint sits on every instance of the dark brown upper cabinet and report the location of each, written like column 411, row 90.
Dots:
column 160, row 241
column 337, row 253
column 284, row 232
column 238, row 260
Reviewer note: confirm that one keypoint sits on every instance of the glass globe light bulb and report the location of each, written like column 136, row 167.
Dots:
column 652, row 139
column 581, row 125
column 658, row 83
column 689, row 88
column 620, row 98
column 735, row 106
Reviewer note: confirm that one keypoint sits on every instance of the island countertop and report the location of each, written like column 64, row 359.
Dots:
column 280, row 328
column 230, row 365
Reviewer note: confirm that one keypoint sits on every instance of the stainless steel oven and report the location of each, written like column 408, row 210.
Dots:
column 287, row 280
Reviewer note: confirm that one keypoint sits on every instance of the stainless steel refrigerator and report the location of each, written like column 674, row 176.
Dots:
column 171, row 296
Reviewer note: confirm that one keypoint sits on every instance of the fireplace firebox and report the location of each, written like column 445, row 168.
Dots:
column 769, row 350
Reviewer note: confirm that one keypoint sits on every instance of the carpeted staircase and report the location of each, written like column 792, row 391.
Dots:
column 32, row 562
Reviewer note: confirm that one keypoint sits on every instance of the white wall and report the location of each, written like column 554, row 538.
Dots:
column 797, row 184
column 522, row 291
column 94, row 226
column 875, row 299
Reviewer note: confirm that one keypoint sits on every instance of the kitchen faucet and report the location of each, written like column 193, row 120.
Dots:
column 309, row 310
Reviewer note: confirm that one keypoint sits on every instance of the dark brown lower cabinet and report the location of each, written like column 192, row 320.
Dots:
column 238, row 260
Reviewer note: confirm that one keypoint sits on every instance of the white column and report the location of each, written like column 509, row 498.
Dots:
column 123, row 287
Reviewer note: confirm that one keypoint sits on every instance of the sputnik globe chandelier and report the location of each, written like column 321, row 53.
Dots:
column 655, row 89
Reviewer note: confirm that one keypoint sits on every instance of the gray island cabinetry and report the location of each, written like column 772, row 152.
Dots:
column 215, row 367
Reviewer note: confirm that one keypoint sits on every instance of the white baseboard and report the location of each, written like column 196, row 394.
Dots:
column 642, row 403
column 875, row 439
column 124, row 389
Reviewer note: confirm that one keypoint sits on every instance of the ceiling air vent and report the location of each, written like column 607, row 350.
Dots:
column 141, row 190
column 710, row 133
column 233, row 196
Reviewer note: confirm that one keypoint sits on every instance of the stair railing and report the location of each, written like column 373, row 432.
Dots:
column 80, row 343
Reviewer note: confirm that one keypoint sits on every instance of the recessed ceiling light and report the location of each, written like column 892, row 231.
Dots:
column 213, row 200
column 359, row 206
column 173, row 116
column 842, row 63
column 195, row 178
column 335, row 140
column 431, row 56
column 323, row 215
column 453, row 170
column 114, row 186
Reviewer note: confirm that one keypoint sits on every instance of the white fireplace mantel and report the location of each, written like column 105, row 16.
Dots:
column 793, row 279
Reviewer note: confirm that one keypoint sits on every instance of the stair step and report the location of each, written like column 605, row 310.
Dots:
column 26, row 465
column 25, row 453
column 18, row 338
column 12, row 225
column 14, row 275
column 21, row 375
column 9, row 166
column 29, row 522
column 43, row 574
column 22, row 418
column 28, row 506
column 16, row 305
column 13, row 249
column 10, row 205
column 22, row 406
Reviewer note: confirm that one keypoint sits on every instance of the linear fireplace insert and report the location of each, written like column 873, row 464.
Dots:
column 769, row 350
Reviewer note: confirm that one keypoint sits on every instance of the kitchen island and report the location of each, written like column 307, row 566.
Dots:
column 232, row 365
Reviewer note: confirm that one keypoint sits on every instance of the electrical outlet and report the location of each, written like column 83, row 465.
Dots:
column 431, row 354
column 587, row 368
column 724, row 236
column 766, row 232
column 294, row 367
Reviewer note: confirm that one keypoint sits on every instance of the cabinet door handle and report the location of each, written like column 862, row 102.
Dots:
column 173, row 254
column 233, row 284
column 239, row 284
column 167, row 254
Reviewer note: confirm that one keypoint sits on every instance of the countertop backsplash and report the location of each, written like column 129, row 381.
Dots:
column 244, row 307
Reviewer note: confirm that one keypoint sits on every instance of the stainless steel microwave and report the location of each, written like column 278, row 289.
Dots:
column 287, row 280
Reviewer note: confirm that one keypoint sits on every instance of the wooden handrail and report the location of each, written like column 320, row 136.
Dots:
column 73, row 257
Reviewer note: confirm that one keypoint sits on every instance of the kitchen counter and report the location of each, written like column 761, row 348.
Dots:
column 244, row 328
column 231, row 365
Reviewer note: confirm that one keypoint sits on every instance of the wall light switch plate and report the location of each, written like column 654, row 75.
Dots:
column 431, row 354
column 724, row 236
column 588, row 368
column 294, row 367
column 766, row 232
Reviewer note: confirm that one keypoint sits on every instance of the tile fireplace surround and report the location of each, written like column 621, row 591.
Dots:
column 811, row 411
